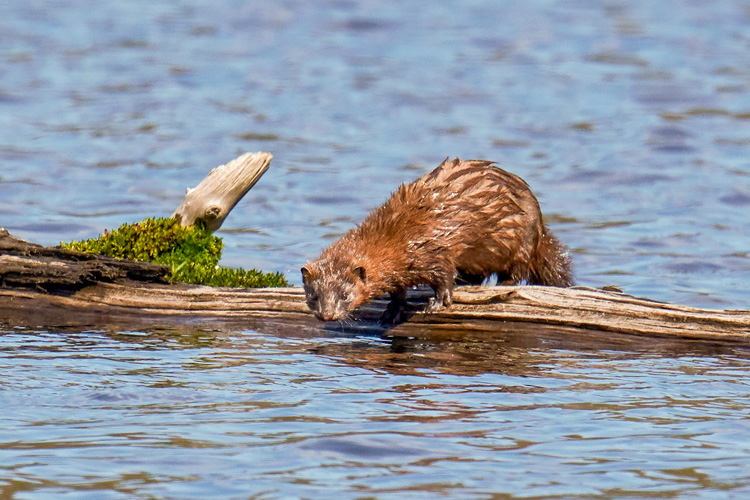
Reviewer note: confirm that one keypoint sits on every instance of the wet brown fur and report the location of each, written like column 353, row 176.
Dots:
column 465, row 218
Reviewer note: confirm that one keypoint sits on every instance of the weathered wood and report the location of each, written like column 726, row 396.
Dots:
column 28, row 265
column 24, row 264
column 216, row 195
column 476, row 311
column 482, row 308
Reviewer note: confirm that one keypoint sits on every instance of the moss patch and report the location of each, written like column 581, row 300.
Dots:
column 193, row 253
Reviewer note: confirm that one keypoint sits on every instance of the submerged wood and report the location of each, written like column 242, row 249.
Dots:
column 217, row 194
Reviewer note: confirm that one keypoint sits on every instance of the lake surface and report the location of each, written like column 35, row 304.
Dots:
column 630, row 121
column 211, row 414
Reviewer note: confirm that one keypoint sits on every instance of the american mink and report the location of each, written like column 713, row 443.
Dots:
column 466, row 219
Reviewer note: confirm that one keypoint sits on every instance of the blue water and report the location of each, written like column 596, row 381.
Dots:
column 212, row 414
column 630, row 121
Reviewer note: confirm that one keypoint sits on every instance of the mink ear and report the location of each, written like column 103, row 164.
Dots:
column 306, row 276
column 360, row 272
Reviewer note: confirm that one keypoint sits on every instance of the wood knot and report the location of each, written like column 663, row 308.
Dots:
column 212, row 213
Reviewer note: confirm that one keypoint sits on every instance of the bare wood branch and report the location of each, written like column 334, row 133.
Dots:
column 213, row 199
column 24, row 264
column 484, row 308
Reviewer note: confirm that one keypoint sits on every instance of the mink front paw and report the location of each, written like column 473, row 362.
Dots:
column 395, row 312
column 443, row 299
column 433, row 306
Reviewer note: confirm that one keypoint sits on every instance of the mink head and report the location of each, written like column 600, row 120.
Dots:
column 332, row 292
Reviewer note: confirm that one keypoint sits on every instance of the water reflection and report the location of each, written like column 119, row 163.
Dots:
column 515, row 349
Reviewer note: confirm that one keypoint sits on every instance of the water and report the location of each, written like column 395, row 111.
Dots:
column 630, row 120
column 212, row 414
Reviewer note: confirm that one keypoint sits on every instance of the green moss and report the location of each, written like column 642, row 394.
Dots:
column 193, row 253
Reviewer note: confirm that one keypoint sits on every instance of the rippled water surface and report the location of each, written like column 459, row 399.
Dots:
column 211, row 414
column 630, row 120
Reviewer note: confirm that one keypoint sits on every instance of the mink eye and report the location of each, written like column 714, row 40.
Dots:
column 346, row 296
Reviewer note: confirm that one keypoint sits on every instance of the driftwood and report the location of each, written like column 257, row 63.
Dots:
column 49, row 287
column 24, row 264
column 28, row 265
column 476, row 310
column 213, row 199
column 42, row 287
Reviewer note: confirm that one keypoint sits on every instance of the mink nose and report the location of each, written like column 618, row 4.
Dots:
column 326, row 317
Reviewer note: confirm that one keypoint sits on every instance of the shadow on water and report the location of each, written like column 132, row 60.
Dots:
column 515, row 349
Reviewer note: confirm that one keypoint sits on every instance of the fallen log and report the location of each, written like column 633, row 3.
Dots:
column 28, row 265
column 46, row 287
column 476, row 311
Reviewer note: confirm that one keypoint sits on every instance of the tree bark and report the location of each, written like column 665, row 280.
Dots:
column 28, row 265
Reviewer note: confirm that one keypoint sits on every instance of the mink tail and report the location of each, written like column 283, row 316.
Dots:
column 550, row 265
